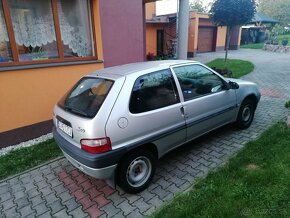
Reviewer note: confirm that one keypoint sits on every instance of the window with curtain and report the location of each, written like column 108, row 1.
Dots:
column 75, row 27
column 5, row 48
column 38, row 38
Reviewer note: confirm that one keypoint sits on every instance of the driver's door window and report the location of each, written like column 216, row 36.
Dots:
column 196, row 80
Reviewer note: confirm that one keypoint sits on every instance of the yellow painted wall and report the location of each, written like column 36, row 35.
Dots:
column 150, row 9
column 151, row 38
column 28, row 96
column 221, row 36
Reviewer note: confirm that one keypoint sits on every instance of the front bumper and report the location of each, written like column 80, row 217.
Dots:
column 100, row 166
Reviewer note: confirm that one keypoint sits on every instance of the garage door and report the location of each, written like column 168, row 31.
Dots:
column 205, row 39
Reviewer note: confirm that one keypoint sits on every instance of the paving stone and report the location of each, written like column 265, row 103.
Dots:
column 78, row 212
column 131, row 198
column 160, row 192
column 41, row 208
column 110, row 209
column 45, row 215
column 116, row 199
column 59, row 189
column 19, row 194
column 7, row 204
column 26, row 211
column 94, row 211
column 55, row 207
column 135, row 214
column 141, row 205
column 146, row 195
column 4, row 187
column 65, row 196
column 126, row 207
column 22, row 202
column 71, row 204
column 62, row 214
column 50, row 198
column 36, row 200
column 11, row 212
column 5, row 196
column 16, row 188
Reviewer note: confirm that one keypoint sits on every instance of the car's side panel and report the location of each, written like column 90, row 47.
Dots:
column 165, row 126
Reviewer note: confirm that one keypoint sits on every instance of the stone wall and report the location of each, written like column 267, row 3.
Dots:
column 277, row 48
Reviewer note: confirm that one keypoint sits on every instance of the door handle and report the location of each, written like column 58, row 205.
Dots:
column 182, row 111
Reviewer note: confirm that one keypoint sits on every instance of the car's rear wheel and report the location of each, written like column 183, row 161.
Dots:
column 136, row 171
column 246, row 114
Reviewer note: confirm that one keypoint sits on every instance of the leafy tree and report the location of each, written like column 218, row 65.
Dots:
column 231, row 13
column 278, row 9
column 197, row 5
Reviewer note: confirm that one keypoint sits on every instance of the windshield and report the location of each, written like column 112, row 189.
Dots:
column 86, row 97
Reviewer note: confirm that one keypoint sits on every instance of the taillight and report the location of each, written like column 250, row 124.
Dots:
column 96, row 146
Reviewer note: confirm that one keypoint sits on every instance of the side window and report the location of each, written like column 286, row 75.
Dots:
column 196, row 80
column 153, row 91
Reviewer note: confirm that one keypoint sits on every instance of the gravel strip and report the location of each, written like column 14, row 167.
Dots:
column 26, row 144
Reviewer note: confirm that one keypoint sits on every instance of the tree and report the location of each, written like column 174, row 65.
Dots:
column 278, row 9
column 231, row 13
column 197, row 5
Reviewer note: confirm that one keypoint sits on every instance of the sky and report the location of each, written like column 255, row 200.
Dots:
column 169, row 6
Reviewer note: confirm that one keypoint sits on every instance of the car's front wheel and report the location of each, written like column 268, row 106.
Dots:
column 246, row 114
column 136, row 171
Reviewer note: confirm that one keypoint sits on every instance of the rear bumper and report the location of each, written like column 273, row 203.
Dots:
column 102, row 173
column 100, row 166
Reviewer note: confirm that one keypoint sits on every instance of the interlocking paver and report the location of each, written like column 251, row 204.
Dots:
column 60, row 190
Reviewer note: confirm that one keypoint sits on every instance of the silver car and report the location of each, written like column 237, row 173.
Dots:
column 114, row 123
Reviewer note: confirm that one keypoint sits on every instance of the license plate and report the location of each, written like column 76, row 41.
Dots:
column 65, row 128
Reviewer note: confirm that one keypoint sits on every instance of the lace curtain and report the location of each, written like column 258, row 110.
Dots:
column 33, row 24
column 75, row 26
column 3, row 28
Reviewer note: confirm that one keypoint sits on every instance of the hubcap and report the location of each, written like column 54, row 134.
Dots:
column 139, row 171
column 246, row 115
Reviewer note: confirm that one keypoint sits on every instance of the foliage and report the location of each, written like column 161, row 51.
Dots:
column 253, row 46
column 197, row 5
column 255, row 183
column 22, row 159
column 150, row 56
column 278, row 9
column 238, row 67
column 231, row 13
column 287, row 104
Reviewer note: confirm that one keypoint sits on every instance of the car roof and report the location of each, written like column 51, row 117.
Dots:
column 126, row 69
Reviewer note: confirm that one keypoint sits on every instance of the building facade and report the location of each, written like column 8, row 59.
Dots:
column 47, row 45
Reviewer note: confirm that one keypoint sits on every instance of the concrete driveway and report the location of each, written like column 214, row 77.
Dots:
column 57, row 189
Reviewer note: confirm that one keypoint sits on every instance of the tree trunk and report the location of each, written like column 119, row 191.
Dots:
column 228, row 39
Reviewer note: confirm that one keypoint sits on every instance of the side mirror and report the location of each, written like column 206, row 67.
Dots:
column 233, row 85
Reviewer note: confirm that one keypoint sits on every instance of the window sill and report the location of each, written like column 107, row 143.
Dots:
column 35, row 66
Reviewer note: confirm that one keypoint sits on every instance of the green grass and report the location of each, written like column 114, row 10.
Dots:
column 22, row 159
column 255, row 183
column 253, row 46
column 238, row 67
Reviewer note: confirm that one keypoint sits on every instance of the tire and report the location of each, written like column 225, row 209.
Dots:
column 246, row 114
column 136, row 171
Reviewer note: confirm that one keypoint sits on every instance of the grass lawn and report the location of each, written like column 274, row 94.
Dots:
column 255, row 183
column 22, row 159
column 238, row 67
column 253, row 46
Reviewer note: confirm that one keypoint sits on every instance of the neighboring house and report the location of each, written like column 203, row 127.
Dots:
column 47, row 45
column 203, row 35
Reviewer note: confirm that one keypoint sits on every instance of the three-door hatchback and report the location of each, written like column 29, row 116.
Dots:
column 114, row 123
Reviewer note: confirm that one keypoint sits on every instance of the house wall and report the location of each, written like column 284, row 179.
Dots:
column 151, row 38
column 123, row 26
column 150, row 10
column 28, row 95
column 221, row 38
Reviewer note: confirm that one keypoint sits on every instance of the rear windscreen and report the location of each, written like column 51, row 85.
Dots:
column 86, row 97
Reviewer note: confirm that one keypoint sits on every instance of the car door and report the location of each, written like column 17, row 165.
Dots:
column 155, row 112
column 207, row 101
